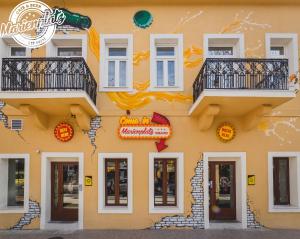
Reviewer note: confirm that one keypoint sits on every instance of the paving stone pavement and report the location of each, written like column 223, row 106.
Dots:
column 149, row 234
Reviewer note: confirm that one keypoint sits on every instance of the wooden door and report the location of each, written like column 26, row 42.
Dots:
column 64, row 191
column 222, row 191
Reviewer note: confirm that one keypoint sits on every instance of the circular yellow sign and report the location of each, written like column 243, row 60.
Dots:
column 225, row 132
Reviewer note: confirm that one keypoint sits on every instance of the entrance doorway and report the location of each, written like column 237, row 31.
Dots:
column 222, row 190
column 64, row 191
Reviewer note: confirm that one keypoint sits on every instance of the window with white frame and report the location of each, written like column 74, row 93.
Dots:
column 166, row 183
column 74, row 45
column 224, row 45
column 115, row 183
column 116, row 62
column 166, row 53
column 14, row 173
column 284, row 181
column 283, row 45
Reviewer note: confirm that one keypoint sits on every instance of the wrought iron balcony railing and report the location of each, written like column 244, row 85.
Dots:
column 229, row 73
column 48, row 74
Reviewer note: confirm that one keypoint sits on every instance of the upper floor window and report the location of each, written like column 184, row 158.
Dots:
column 283, row 45
column 223, row 45
column 166, row 71
column 69, row 51
column 16, row 51
column 116, row 62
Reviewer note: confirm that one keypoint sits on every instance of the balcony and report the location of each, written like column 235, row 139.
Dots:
column 43, row 87
column 245, row 88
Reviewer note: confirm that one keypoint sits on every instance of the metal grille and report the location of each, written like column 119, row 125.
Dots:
column 44, row 74
column 16, row 124
column 230, row 73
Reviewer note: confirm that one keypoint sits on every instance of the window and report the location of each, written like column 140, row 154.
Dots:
column 277, row 51
column 166, row 183
column 69, row 51
column 166, row 62
column 72, row 45
column 220, row 51
column 283, row 45
column 13, row 183
column 281, row 182
column 17, row 51
column 284, row 181
column 223, row 45
column 115, row 183
column 116, row 62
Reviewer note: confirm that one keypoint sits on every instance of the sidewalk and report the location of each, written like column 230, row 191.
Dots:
column 157, row 234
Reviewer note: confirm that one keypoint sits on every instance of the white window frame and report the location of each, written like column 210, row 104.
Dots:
column 102, row 208
column 290, row 43
column 179, row 208
column 166, row 40
column 236, row 41
column 27, row 51
column 295, row 183
column 116, row 40
column 66, row 41
column 25, row 208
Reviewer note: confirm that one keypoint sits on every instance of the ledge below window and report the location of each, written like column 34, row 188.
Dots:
column 166, row 210
column 284, row 208
column 115, row 210
column 13, row 210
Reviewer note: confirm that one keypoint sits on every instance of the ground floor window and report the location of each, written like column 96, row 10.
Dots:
column 115, row 183
column 13, row 182
column 284, row 181
column 166, row 182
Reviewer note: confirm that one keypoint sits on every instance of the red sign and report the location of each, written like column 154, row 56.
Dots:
column 64, row 132
column 157, row 127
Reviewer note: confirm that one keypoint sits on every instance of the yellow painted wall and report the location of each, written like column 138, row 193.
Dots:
column 280, row 133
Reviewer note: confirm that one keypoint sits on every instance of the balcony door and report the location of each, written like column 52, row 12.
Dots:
column 222, row 191
column 64, row 191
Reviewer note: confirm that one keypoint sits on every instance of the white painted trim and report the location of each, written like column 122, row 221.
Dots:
column 26, row 158
column 124, row 39
column 241, row 183
column 51, row 49
column 48, row 95
column 180, row 183
column 46, row 186
column 156, row 38
column 293, row 51
column 101, row 182
column 241, row 93
column 238, row 48
column 284, row 208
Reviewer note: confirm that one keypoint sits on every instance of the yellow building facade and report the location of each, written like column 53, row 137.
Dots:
column 153, row 115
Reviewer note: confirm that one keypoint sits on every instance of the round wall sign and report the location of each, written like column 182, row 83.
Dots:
column 142, row 19
column 64, row 132
column 226, row 132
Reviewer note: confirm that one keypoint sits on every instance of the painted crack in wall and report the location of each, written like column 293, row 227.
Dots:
column 3, row 117
column 95, row 124
column 34, row 211
column 252, row 222
column 196, row 219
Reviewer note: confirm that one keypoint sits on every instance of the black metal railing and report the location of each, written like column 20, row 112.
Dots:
column 233, row 73
column 46, row 74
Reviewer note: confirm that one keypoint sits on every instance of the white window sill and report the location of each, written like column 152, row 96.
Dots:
column 115, row 89
column 166, row 89
column 115, row 210
column 166, row 210
column 12, row 210
column 284, row 208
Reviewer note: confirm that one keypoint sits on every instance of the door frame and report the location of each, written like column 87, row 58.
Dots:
column 47, row 158
column 241, row 183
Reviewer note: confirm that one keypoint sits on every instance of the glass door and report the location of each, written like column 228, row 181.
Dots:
column 222, row 201
column 64, row 191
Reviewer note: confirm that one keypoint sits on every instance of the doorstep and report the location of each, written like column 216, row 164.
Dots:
column 225, row 225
